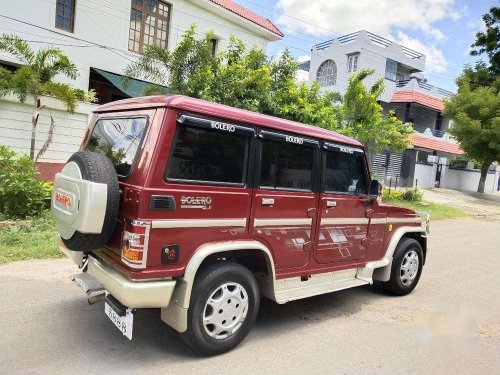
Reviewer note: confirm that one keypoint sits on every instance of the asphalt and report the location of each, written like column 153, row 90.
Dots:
column 450, row 324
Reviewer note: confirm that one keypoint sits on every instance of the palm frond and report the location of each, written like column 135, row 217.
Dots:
column 62, row 92
column 17, row 47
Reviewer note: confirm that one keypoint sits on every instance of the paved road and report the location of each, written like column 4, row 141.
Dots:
column 449, row 325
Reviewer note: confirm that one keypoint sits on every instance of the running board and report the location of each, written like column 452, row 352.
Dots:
column 295, row 288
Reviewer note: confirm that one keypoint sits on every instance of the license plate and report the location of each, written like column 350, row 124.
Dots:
column 123, row 323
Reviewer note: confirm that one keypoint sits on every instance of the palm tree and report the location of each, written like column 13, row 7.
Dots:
column 36, row 78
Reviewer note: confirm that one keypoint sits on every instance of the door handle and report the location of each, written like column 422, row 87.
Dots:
column 267, row 201
column 331, row 204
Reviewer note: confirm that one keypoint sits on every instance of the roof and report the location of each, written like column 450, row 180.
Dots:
column 435, row 144
column 412, row 96
column 248, row 15
column 203, row 107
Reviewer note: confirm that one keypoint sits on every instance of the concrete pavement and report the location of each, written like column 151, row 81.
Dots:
column 450, row 324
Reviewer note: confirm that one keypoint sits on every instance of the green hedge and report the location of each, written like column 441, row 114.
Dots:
column 22, row 193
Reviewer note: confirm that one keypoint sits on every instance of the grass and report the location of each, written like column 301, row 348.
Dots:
column 29, row 239
column 437, row 211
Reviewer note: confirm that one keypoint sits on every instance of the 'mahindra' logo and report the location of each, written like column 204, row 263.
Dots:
column 64, row 199
column 203, row 203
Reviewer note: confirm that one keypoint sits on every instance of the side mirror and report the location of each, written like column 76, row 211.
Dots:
column 375, row 188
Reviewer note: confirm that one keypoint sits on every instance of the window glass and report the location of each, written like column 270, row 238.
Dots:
column 149, row 24
column 327, row 73
column 345, row 172
column 119, row 140
column 286, row 166
column 391, row 67
column 208, row 156
column 65, row 14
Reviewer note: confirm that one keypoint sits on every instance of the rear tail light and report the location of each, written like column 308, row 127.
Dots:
column 135, row 243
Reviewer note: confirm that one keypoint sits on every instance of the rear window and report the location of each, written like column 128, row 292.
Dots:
column 206, row 156
column 119, row 139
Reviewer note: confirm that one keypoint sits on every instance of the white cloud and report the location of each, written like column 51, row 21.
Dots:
column 435, row 60
column 380, row 17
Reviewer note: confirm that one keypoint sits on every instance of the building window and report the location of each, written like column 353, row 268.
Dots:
column 327, row 73
column 391, row 69
column 213, row 46
column 352, row 63
column 149, row 24
column 65, row 15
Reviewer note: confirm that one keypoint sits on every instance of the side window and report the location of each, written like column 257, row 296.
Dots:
column 286, row 166
column 345, row 171
column 205, row 155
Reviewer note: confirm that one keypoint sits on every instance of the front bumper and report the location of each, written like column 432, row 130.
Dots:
column 131, row 293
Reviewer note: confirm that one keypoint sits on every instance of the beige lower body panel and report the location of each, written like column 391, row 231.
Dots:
column 133, row 294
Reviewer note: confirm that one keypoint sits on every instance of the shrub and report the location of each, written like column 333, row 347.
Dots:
column 391, row 195
column 22, row 194
column 412, row 194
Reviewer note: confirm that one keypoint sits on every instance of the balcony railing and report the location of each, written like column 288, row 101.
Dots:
column 424, row 129
column 425, row 87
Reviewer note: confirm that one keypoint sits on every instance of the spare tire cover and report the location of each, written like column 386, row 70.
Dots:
column 85, row 201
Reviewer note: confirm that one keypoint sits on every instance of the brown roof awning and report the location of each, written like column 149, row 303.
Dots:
column 412, row 96
column 435, row 144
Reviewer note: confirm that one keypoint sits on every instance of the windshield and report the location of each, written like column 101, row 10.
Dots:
column 119, row 140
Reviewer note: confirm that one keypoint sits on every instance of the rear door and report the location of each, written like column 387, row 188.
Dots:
column 343, row 216
column 284, row 200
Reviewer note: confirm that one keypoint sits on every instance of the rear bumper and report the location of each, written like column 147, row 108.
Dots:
column 131, row 293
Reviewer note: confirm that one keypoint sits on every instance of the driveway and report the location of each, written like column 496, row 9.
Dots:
column 450, row 324
column 477, row 204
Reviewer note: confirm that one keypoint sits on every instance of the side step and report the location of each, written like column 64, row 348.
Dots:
column 295, row 288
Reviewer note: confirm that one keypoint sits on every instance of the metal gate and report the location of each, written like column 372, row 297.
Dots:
column 387, row 167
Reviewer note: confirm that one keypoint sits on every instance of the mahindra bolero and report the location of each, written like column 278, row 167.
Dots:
column 199, row 209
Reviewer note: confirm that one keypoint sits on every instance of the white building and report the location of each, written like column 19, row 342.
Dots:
column 427, row 162
column 102, row 38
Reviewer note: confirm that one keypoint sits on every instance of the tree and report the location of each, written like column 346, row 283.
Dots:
column 475, row 112
column 363, row 117
column 237, row 76
column 488, row 41
column 36, row 78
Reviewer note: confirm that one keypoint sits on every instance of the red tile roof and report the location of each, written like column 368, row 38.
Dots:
column 411, row 96
column 435, row 144
column 249, row 15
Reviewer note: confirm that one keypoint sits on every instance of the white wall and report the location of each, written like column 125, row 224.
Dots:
column 467, row 180
column 107, row 24
column 15, row 127
column 425, row 174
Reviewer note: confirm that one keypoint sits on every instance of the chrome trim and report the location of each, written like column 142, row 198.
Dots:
column 281, row 222
column 198, row 223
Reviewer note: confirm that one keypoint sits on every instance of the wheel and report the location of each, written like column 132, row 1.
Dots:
column 407, row 263
column 95, row 167
column 223, row 308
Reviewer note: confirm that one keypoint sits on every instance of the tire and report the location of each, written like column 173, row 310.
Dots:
column 96, row 167
column 402, row 282
column 209, row 283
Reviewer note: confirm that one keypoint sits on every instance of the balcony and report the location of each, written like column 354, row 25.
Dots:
column 434, row 133
column 419, row 85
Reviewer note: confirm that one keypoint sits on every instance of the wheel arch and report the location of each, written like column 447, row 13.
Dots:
column 175, row 314
column 382, row 268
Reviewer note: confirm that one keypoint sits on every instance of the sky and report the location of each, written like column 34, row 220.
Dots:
column 441, row 29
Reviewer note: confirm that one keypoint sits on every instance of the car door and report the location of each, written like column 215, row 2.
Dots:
column 284, row 200
column 344, row 207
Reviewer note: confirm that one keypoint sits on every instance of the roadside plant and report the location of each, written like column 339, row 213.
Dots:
column 390, row 195
column 363, row 119
column 36, row 78
column 22, row 194
column 413, row 194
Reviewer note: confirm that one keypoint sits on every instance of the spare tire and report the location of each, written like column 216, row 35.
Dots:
column 85, row 201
